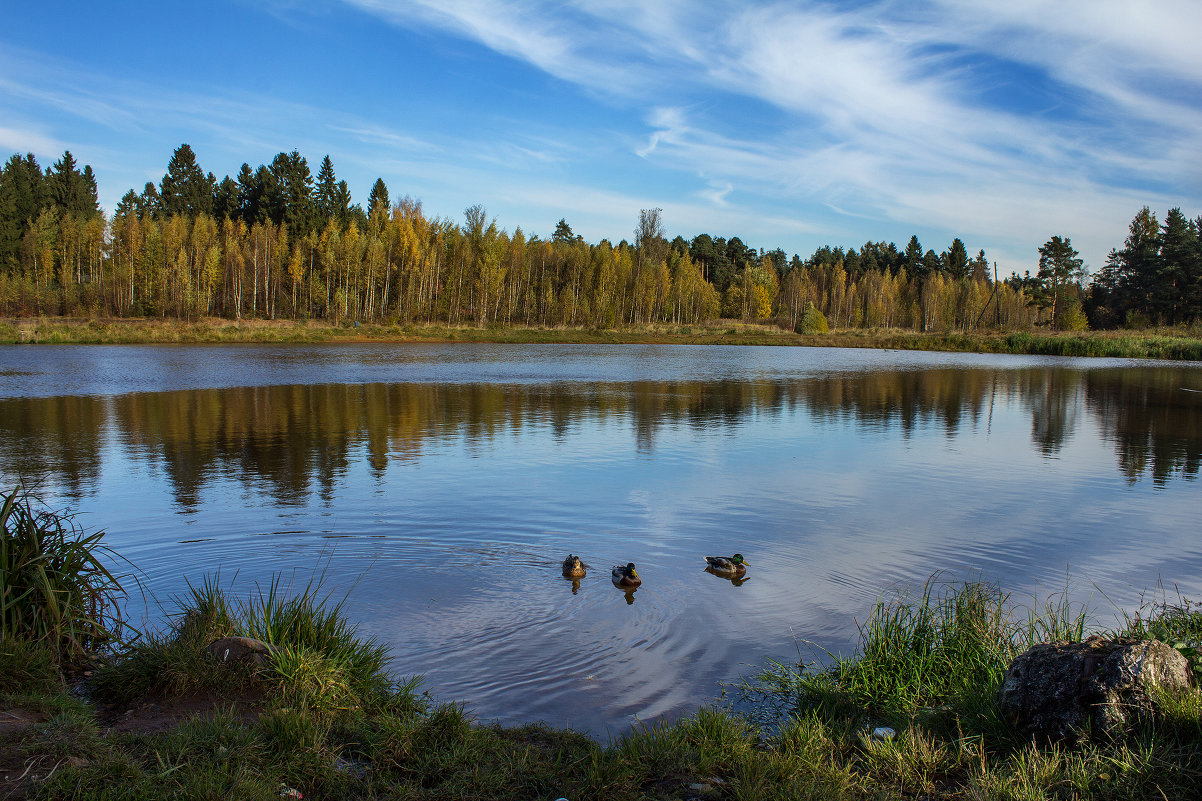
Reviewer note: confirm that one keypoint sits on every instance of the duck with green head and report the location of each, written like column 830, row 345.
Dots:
column 735, row 565
column 626, row 577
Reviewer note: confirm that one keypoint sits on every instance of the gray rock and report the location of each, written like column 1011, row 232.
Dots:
column 1098, row 688
column 244, row 650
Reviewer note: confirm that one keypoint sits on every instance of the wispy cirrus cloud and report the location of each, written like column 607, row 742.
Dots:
column 28, row 140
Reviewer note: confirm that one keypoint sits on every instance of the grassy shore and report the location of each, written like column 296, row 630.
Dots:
column 161, row 717
column 1175, row 344
column 323, row 718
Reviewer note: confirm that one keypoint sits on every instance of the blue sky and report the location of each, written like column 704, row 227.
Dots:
column 790, row 124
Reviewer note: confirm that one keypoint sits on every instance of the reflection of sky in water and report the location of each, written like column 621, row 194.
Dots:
column 443, row 510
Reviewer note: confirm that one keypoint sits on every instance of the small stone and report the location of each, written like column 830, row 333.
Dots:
column 883, row 733
column 245, row 650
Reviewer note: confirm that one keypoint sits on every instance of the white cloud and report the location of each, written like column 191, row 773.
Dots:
column 379, row 135
column 24, row 140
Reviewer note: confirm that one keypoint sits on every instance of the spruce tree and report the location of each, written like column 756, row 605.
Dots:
column 69, row 189
column 914, row 263
column 378, row 199
column 24, row 194
column 1178, row 250
column 185, row 189
column 326, row 193
column 226, row 199
column 956, row 260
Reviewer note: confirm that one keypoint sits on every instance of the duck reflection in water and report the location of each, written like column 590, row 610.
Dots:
column 734, row 578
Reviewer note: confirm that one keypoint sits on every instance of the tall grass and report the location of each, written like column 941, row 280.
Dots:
column 317, row 657
column 54, row 589
column 942, row 650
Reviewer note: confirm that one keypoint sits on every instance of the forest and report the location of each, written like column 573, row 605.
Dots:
column 277, row 242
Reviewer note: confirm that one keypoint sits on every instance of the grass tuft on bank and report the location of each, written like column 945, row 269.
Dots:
column 318, row 659
column 56, row 595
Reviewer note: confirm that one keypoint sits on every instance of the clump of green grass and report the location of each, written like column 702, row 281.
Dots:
column 937, row 657
column 317, row 657
column 28, row 668
column 54, row 589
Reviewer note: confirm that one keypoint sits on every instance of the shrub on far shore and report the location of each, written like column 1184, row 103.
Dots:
column 812, row 322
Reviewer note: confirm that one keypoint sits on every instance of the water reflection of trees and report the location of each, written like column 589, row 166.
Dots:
column 1154, row 419
column 52, row 440
column 1054, row 397
column 291, row 441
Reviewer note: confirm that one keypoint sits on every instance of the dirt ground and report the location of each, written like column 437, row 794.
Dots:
column 19, row 769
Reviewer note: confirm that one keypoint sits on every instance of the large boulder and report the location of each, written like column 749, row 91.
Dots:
column 1097, row 688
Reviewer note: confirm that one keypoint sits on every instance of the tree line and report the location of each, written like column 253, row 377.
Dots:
column 278, row 242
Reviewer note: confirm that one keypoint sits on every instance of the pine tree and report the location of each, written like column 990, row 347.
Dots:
column 378, row 199
column 69, row 189
column 341, row 210
column 1059, row 266
column 956, row 260
column 913, row 260
column 250, row 194
column 185, row 189
column 979, row 267
column 1178, row 252
column 292, row 203
column 326, row 193
column 23, row 194
column 1141, row 262
column 931, row 263
column 563, row 232
column 225, row 199
column 150, row 202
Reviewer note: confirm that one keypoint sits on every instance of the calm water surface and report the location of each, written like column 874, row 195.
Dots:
column 440, row 486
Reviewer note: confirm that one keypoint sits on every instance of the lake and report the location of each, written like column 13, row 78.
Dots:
column 438, row 488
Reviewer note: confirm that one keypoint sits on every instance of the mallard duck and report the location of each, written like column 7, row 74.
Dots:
column 573, row 567
column 626, row 577
column 728, row 564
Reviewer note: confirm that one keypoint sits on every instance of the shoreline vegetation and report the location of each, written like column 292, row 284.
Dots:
column 911, row 714
column 1174, row 343
column 277, row 242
